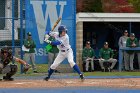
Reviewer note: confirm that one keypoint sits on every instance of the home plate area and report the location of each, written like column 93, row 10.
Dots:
column 130, row 83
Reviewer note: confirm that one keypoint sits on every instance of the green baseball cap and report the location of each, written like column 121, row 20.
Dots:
column 29, row 34
column 88, row 42
column 106, row 43
column 132, row 34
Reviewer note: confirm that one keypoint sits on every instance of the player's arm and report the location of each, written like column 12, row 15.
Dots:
column 26, row 44
column 19, row 60
column 53, row 34
column 26, row 66
column 33, row 45
column 46, row 36
column 56, row 42
column 61, row 42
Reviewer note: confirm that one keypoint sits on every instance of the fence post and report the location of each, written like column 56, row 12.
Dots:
column 13, row 11
column 21, row 31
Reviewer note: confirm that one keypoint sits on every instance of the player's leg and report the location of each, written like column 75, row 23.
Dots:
column 138, row 54
column 101, row 64
column 27, row 57
column 73, row 64
column 56, row 62
column 33, row 62
column 87, row 65
column 50, row 58
column 9, row 70
column 92, row 65
column 113, row 61
column 126, row 60
column 1, row 67
column 131, row 61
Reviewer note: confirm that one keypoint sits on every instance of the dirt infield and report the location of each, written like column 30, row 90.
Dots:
column 133, row 83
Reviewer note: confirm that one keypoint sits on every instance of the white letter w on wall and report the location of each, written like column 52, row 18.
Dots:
column 51, row 12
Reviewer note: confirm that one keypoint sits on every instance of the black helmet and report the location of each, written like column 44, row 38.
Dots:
column 62, row 28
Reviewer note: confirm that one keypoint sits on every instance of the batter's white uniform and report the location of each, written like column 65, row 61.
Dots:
column 65, row 50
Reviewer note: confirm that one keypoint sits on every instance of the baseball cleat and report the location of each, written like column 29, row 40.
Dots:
column 46, row 78
column 35, row 72
column 82, row 77
column 0, row 79
column 6, row 78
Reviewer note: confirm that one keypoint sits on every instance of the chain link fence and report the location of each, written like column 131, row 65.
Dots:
column 12, row 33
column 12, row 30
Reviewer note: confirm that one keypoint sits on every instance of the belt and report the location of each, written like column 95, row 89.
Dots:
column 64, row 50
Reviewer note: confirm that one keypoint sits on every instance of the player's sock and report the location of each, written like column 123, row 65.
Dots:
column 50, row 71
column 76, row 68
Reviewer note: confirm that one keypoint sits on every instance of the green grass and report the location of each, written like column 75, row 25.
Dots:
column 112, row 74
column 42, row 69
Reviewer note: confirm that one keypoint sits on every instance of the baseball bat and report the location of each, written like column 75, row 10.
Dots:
column 56, row 23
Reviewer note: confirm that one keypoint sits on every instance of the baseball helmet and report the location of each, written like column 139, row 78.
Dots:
column 62, row 28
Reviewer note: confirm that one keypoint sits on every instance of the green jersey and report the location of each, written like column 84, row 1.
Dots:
column 54, row 48
column 106, row 53
column 88, row 52
column 129, row 43
column 30, row 44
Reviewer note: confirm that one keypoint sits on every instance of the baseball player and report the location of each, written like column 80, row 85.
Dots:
column 52, row 53
column 65, row 51
column 30, row 55
column 88, row 55
column 106, row 55
column 122, row 44
column 7, row 68
column 131, row 42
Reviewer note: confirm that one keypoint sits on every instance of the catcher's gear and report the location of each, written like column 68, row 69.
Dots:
column 7, row 78
column 6, row 56
column 13, row 70
column 26, row 67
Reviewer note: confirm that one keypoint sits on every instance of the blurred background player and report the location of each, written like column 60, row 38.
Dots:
column 106, row 55
column 30, row 55
column 65, row 51
column 9, row 69
column 122, row 44
column 131, row 42
column 52, row 53
column 88, row 56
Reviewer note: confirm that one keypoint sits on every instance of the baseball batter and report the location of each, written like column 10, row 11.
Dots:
column 65, row 51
